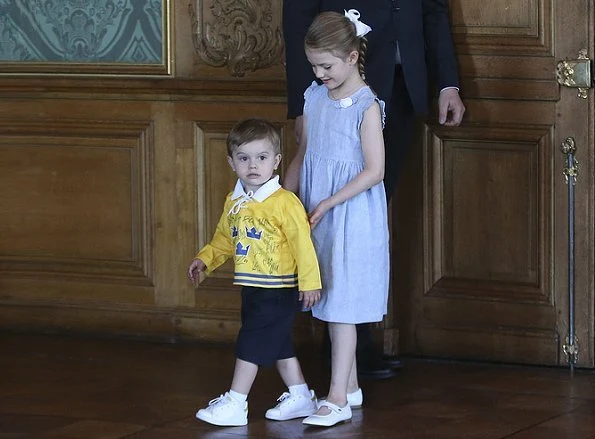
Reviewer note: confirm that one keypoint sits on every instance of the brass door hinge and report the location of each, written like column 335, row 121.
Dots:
column 576, row 73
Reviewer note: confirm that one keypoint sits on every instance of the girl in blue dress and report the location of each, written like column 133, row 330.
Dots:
column 338, row 170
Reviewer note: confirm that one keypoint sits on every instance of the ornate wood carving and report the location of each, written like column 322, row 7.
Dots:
column 240, row 34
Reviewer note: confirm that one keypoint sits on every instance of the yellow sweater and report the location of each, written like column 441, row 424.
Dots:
column 268, row 234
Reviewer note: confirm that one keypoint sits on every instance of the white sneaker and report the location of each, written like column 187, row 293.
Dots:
column 293, row 406
column 224, row 411
column 354, row 399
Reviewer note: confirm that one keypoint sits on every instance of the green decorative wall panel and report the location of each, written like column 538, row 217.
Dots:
column 77, row 36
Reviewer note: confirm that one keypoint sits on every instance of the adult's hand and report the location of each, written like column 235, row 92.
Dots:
column 450, row 107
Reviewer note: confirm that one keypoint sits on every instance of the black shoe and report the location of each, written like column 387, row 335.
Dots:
column 375, row 370
column 392, row 361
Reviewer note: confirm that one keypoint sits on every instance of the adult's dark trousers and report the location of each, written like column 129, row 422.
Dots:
column 397, row 140
column 397, row 132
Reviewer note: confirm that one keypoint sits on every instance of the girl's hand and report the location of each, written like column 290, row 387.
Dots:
column 318, row 212
column 309, row 298
column 197, row 266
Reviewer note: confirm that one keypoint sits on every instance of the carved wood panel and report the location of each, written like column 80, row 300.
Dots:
column 69, row 184
column 488, row 204
column 507, row 27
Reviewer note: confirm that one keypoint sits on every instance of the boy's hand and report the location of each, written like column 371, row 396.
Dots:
column 197, row 266
column 309, row 298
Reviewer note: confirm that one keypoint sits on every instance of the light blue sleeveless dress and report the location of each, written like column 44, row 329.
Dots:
column 351, row 240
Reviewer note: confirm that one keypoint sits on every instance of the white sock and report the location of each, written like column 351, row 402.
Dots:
column 240, row 397
column 299, row 389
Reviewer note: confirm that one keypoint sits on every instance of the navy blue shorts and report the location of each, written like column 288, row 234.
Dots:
column 267, row 321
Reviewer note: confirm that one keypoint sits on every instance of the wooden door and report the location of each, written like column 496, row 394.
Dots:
column 481, row 229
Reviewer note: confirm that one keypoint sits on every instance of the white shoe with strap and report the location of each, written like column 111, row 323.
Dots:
column 354, row 399
column 337, row 414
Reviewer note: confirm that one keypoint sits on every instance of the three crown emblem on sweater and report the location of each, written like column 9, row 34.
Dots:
column 252, row 233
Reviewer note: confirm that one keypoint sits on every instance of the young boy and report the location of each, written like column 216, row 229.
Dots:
column 265, row 229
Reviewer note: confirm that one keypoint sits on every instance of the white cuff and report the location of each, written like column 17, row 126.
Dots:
column 448, row 88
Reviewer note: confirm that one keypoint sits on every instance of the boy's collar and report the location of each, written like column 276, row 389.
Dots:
column 265, row 191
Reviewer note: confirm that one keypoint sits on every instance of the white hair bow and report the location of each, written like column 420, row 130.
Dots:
column 361, row 29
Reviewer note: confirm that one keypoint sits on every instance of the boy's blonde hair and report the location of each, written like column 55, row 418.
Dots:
column 248, row 130
column 333, row 32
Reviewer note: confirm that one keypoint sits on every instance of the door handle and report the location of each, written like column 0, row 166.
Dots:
column 576, row 73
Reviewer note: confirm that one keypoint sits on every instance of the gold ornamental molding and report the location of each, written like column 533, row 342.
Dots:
column 239, row 34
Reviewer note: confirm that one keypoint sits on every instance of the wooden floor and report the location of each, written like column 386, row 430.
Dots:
column 64, row 387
